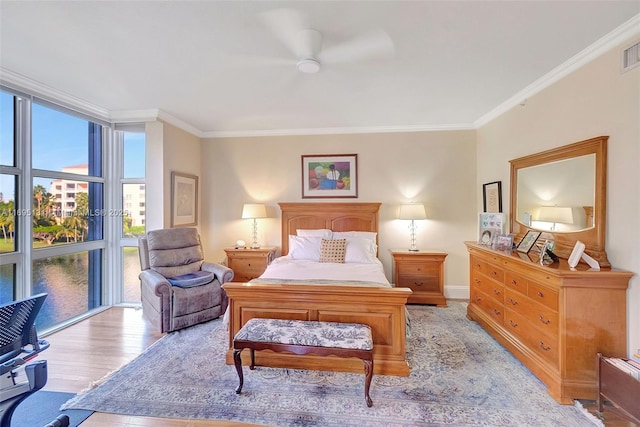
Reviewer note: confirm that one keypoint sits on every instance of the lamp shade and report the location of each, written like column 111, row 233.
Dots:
column 412, row 211
column 254, row 210
column 555, row 214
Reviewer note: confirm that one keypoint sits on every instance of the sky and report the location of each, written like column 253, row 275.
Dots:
column 59, row 140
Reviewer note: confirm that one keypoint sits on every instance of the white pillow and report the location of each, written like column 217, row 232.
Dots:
column 362, row 251
column 370, row 235
column 305, row 247
column 324, row 233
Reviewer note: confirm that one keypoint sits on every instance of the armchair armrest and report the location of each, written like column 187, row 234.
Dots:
column 155, row 282
column 223, row 273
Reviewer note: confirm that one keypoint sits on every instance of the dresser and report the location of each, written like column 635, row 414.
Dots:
column 553, row 319
column 423, row 273
column 247, row 263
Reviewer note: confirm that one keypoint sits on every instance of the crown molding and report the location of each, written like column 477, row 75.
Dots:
column 629, row 29
column 22, row 83
column 338, row 131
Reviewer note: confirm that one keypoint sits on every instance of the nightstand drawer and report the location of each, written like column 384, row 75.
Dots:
column 419, row 283
column 247, row 264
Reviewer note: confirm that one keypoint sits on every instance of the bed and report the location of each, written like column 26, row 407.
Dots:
column 380, row 306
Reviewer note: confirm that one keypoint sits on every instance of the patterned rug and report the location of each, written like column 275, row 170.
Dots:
column 459, row 376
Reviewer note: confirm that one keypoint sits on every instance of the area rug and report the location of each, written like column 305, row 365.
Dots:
column 459, row 376
column 42, row 407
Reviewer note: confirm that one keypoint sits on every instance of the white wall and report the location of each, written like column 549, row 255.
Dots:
column 167, row 149
column 595, row 100
column 436, row 168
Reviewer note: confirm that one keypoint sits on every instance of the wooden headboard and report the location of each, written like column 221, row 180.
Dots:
column 334, row 216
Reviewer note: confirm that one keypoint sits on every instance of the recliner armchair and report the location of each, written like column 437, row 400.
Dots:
column 178, row 288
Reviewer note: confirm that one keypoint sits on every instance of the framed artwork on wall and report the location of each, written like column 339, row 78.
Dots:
column 492, row 196
column 184, row 200
column 329, row 176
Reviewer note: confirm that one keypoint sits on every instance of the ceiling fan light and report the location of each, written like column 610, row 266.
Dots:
column 308, row 66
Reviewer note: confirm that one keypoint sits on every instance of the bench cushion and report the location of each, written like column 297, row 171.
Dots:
column 307, row 333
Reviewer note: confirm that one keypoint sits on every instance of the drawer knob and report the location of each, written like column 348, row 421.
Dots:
column 512, row 323
column 477, row 280
column 540, row 294
column 418, row 283
column 496, row 312
column 544, row 347
column 497, row 292
column 513, row 302
column 495, row 273
column 478, row 299
column 546, row 322
column 514, row 282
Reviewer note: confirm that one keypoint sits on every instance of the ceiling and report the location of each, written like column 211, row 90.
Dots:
column 217, row 68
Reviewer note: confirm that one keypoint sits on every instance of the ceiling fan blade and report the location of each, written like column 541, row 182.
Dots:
column 371, row 45
column 286, row 25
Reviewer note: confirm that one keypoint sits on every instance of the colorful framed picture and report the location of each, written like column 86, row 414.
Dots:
column 490, row 226
column 184, row 200
column 329, row 176
column 492, row 196
column 528, row 241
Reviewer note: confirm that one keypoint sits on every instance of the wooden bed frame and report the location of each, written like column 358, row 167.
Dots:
column 383, row 309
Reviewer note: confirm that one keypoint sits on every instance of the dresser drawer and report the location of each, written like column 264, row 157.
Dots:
column 488, row 269
column 541, row 343
column 537, row 315
column 490, row 287
column 488, row 305
column 543, row 295
column 515, row 282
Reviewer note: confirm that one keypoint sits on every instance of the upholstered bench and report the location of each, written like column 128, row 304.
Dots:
column 306, row 337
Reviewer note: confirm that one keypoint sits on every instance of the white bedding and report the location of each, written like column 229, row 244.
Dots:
column 296, row 269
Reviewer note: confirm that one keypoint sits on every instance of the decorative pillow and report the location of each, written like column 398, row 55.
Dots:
column 333, row 250
column 324, row 233
column 361, row 251
column 192, row 279
column 304, row 248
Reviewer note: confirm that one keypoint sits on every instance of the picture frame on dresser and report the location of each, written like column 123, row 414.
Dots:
column 492, row 196
column 528, row 240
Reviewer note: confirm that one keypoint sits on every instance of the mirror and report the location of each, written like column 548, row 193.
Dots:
column 562, row 192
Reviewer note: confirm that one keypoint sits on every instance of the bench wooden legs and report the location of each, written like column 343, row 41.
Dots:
column 368, row 372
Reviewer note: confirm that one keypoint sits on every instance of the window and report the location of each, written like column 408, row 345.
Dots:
column 133, row 194
column 65, row 244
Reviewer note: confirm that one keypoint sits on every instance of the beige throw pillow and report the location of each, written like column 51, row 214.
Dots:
column 333, row 250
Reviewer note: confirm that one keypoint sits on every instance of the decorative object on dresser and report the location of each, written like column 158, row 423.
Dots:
column 618, row 383
column 254, row 211
column 330, row 176
column 490, row 226
column 423, row 273
column 527, row 242
column 546, row 315
column 492, row 196
column 248, row 264
column 412, row 212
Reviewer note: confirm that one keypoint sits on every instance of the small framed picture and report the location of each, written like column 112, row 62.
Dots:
column 505, row 242
column 528, row 241
column 492, row 196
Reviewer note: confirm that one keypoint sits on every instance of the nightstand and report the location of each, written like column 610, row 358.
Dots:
column 423, row 272
column 248, row 263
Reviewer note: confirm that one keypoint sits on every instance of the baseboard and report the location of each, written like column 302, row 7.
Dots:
column 457, row 292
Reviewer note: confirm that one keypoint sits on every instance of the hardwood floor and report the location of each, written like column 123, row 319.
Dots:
column 89, row 350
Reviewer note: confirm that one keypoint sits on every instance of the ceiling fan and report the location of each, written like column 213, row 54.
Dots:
column 292, row 28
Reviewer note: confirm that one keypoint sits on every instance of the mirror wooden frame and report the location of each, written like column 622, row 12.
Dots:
column 593, row 238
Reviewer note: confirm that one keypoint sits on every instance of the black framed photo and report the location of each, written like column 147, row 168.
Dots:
column 492, row 196
column 528, row 241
